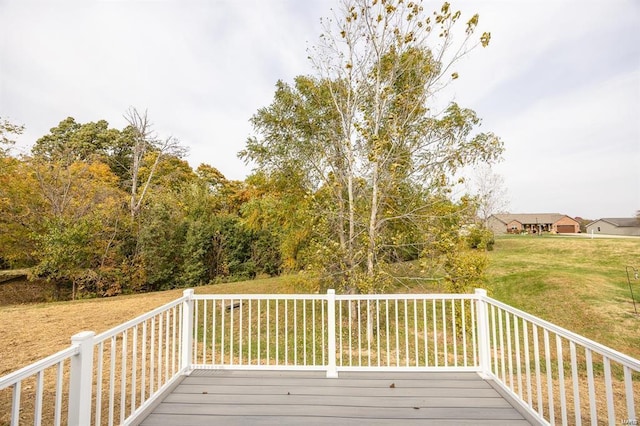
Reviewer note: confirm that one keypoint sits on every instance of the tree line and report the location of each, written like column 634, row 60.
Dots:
column 353, row 173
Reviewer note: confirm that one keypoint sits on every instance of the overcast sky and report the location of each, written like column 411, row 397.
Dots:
column 559, row 83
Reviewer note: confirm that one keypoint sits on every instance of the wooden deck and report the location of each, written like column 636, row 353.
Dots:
column 232, row 397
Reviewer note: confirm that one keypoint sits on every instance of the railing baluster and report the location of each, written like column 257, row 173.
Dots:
column 563, row 397
column 231, row 329
column 57, row 415
column 494, row 337
column 38, row 398
column 609, row 390
column 386, row 307
column 359, row 310
column 464, row 331
column 313, row 330
column 143, row 360
column 415, row 332
column 406, row 333
column 527, row 360
column 204, row 332
column 397, row 333
column 304, row 330
column 445, row 346
column 509, row 349
column 123, row 376
column 454, row 333
column 112, row 379
column 323, row 331
column 576, row 387
column 628, row 386
column 426, row 337
column 350, row 336
column 196, row 319
column 474, row 338
column 15, row 403
column 378, row 331
column 240, row 347
column 550, row 396
column 173, row 341
column 295, row 334
column 277, row 333
column 369, row 326
column 434, row 321
column 259, row 330
column 99, row 379
column 134, row 367
column 518, row 360
column 536, row 358
column 214, row 342
column 503, row 375
column 160, row 343
column 591, row 386
column 249, row 332
column 223, row 310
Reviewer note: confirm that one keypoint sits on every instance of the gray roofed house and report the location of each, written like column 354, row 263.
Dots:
column 615, row 226
column 533, row 223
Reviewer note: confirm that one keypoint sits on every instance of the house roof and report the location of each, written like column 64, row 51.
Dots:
column 530, row 218
column 620, row 222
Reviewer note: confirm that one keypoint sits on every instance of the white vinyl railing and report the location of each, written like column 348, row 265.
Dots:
column 557, row 376
column 560, row 376
column 105, row 379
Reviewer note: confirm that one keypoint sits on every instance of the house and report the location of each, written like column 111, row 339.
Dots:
column 533, row 223
column 615, row 226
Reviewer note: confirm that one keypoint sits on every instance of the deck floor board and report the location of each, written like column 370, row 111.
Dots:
column 235, row 397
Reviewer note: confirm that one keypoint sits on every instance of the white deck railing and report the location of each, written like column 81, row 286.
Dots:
column 112, row 378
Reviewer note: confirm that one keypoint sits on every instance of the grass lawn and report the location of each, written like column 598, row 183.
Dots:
column 577, row 283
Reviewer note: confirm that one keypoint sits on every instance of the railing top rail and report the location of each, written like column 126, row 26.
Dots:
column 37, row 366
column 323, row 296
column 410, row 296
column 612, row 354
column 124, row 326
column 260, row 296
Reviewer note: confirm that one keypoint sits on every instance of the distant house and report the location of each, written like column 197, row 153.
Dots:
column 615, row 226
column 533, row 223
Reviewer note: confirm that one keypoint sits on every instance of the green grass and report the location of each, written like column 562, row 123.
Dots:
column 577, row 283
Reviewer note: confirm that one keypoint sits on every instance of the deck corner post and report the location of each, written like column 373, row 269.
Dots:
column 186, row 357
column 332, row 371
column 483, row 332
column 81, row 379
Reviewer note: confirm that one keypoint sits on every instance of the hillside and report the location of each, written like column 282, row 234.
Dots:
column 577, row 283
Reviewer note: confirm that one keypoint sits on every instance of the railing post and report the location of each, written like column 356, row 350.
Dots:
column 81, row 379
column 187, row 331
column 332, row 371
column 483, row 332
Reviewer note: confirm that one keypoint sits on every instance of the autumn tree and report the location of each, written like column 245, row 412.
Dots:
column 367, row 135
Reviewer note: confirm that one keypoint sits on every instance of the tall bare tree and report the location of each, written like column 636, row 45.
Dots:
column 489, row 188
column 146, row 141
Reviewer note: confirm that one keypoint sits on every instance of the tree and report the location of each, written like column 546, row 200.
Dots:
column 80, row 224
column 71, row 141
column 6, row 130
column 366, row 138
column 492, row 196
column 145, row 142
